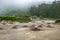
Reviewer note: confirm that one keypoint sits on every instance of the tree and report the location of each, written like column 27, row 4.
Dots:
column 46, row 10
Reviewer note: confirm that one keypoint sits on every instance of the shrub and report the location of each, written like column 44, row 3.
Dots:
column 16, row 18
column 57, row 21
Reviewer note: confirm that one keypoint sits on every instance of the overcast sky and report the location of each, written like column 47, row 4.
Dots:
column 20, row 3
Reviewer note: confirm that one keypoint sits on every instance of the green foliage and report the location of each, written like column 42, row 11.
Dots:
column 47, row 18
column 16, row 18
column 57, row 21
column 8, row 18
column 46, row 10
column 23, row 19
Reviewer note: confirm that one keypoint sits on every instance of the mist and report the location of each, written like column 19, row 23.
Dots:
column 20, row 4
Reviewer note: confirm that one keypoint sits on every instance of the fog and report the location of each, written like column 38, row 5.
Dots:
column 20, row 4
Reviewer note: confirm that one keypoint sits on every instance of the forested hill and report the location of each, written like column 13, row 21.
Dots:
column 46, row 10
column 42, row 10
column 18, row 12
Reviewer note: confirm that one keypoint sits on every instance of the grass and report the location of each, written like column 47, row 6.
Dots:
column 58, row 23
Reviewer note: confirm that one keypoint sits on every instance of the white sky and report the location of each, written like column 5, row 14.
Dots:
column 21, row 3
column 7, row 2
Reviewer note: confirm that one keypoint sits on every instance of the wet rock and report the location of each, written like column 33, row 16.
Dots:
column 40, row 25
column 1, row 28
column 24, row 26
column 35, row 28
column 14, row 27
column 48, row 25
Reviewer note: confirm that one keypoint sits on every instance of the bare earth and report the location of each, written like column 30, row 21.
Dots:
column 27, row 34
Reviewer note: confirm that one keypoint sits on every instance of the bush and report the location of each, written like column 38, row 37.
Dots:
column 16, row 18
column 47, row 18
column 57, row 21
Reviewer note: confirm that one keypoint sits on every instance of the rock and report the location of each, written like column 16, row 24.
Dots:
column 14, row 27
column 1, row 28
